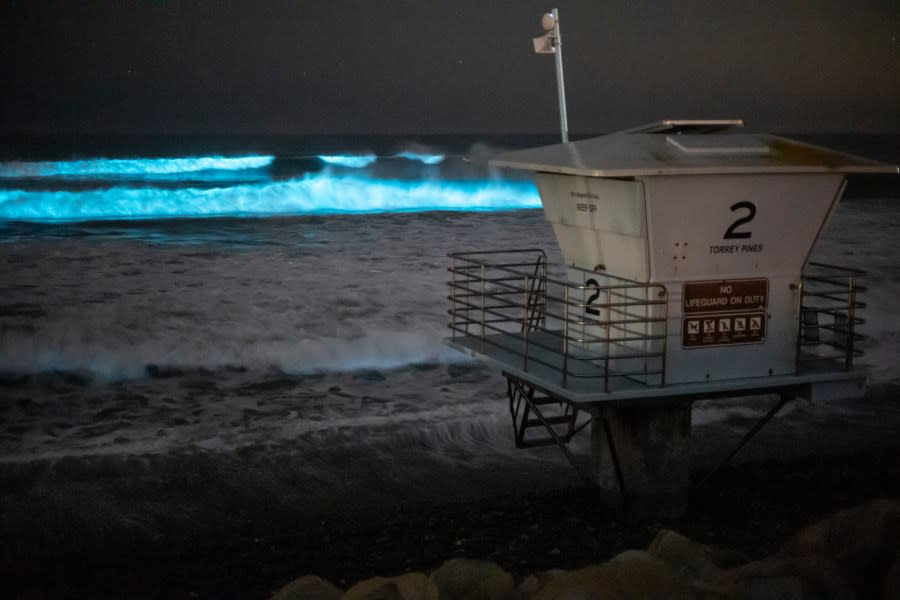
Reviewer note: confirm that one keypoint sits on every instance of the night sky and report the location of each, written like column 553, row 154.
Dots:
column 466, row 66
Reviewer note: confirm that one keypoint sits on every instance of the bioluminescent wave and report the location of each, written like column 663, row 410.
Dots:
column 427, row 159
column 349, row 160
column 131, row 166
column 360, row 161
column 313, row 194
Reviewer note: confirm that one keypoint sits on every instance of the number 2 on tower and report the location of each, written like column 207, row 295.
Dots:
column 731, row 233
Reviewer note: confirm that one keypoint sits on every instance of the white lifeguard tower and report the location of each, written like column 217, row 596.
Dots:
column 687, row 248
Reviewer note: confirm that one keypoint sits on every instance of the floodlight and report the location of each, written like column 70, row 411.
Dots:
column 548, row 21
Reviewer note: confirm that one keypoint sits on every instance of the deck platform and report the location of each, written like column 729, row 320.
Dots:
column 585, row 381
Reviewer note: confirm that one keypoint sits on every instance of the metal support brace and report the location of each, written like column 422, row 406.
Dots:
column 532, row 406
column 620, row 478
column 783, row 399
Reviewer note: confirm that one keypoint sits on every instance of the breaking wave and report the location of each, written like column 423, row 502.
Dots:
column 71, row 351
column 361, row 161
column 130, row 166
column 427, row 159
column 349, row 160
column 313, row 194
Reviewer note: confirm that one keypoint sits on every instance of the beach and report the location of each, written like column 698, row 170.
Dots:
column 217, row 406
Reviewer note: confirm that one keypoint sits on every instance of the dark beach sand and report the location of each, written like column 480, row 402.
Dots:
column 751, row 507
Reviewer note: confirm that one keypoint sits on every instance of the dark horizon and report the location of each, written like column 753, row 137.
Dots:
column 881, row 146
column 403, row 68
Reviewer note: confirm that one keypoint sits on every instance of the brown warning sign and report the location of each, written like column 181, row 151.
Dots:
column 728, row 295
column 723, row 330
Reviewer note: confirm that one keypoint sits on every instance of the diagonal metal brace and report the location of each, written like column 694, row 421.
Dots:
column 562, row 446
column 783, row 399
column 620, row 478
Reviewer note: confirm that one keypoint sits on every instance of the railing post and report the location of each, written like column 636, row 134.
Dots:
column 665, row 296
column 608, row 333
column 482, row 307
column 801, row 325
column 542, row 287
column 565, row 335
column 453, row 296
column 525, row 324
column 851, row 317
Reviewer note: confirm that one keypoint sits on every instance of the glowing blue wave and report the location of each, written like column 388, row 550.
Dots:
column 312, row 194
column 131, row 166
column 359, row 161
column 428, row 159
column 349, row 160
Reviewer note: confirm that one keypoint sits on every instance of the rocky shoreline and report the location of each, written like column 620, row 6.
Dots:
column 751, row 509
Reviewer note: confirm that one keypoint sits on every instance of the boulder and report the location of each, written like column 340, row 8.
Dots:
column 409, row 586
column 869, row 529
column 308, row 587
column 465, row 579
column 862, row 541
column 692, row 560
column 786, row 578
column 892, row 581
column 632, row 575
column 532, row 583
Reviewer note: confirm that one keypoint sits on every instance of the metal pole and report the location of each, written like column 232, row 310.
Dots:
column 798, row 288
column 784, row 397
column 608, row 333
column 565, row 364
column 525, row 325
column 560, row 84
column 665, row 294
column 453, row 295
column 482, row 308
column 851, row 316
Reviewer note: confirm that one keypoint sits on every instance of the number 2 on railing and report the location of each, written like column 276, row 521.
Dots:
column 592, row 283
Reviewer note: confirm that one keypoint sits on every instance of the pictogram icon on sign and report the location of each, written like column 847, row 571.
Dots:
column 723, row 330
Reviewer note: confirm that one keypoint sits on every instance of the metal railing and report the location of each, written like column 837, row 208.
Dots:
column 830, row 315
column 604, row 329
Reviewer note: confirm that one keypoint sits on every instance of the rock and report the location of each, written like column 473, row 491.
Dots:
column 867, row 529
column 692, row 560
column 385, row 590
column 632, row 575
column 409, row 586
column 861, row 541
column 892, row 581
column 308, row 587
column 532, row 583
column 786, row 578
column 465, row 579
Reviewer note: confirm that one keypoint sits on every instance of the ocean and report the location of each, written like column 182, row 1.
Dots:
column 212, row 328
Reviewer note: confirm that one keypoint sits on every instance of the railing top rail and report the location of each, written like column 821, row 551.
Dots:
column 847, row 270
column 466, row 254
column 627, row 300
column 619, row 283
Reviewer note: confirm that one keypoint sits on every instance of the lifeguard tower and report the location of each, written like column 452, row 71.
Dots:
column 686, row 247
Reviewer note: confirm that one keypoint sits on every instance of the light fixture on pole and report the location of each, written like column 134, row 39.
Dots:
column 551, row 43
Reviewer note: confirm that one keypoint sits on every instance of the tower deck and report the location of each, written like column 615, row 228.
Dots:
column 585, row 387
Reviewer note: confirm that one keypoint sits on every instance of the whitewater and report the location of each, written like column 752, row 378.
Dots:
column 277, row 323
